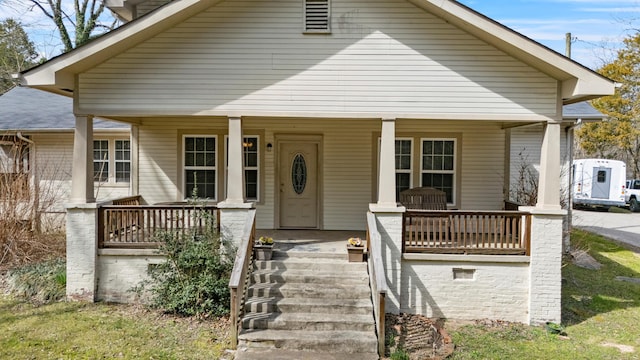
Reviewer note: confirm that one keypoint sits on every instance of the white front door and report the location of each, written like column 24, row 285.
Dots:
column 298, row 174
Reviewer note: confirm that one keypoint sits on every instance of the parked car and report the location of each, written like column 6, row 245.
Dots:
column 632, row 195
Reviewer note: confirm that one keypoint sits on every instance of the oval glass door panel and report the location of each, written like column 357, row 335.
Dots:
column 299, row 174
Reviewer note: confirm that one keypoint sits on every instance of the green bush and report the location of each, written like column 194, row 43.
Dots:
column 40, row 283
column 194, row 280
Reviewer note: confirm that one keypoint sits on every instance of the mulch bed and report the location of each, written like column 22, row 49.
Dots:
column 419, row 336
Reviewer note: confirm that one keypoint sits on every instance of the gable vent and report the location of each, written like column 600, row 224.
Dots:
column 316, row 16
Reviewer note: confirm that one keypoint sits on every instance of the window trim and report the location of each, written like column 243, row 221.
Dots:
column 111, row 161
column 454, row 195
column 184, row 168
column 416, row 165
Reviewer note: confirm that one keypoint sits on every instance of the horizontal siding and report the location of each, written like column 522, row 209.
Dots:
column 382, row 56
column 525, row 147
column 53, row 165
column 348, row 161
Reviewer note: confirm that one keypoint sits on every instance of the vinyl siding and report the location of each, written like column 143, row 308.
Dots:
column 251, row 56
column 53, row 163
column 525, row 147
column 348, row 158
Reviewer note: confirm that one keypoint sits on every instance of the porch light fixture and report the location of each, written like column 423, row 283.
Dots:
column 269, row 147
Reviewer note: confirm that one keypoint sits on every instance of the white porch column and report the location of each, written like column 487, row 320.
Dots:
column 235, row 173
column 82, row 244
column 234, row 210
column 387, row 166
column 549, row 183
column 82, row 172
column 545, row 284
column 389, row 217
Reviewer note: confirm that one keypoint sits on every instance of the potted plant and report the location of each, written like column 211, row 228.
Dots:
column 355, row 249
column 263, row 248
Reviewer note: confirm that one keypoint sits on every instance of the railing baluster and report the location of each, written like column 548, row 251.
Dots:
column 468, row 232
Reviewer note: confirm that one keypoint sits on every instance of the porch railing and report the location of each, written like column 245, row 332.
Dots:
column 239, row 275
column 135, row 226
column 377, row 279
column 467, row 232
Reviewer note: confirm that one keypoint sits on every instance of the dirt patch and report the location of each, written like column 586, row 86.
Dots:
column 623, row 348
column 417, row 336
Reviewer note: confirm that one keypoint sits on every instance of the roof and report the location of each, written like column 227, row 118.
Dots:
column 24, row 108
column 583, row 111
column 578, row 83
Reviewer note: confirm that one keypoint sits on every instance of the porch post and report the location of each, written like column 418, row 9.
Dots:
column 235, row 173
column 389, row 218
column 234, row 210
column 387, row 173
column 82, row 172
column 549, row 183
column 545, row 266
column 82, row 244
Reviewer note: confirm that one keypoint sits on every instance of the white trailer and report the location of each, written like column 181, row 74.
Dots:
column 599, row 182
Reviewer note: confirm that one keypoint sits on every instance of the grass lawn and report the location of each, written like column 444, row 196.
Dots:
column 601, row 316
column 100, row 331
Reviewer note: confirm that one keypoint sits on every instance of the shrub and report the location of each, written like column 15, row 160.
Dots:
column 194, row 279
column 40, row 283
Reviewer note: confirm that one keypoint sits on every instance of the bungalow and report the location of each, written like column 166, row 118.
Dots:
column 37, row 128
column 317, row 114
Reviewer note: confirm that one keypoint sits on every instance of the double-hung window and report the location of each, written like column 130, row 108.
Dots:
column 200, row 166
column 251, row 158
column 403, row 165
column 438, row 168
column 101, row 160
column 111, row 161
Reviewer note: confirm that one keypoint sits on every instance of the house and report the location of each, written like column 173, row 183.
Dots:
column 37, row 128
column 316, row 114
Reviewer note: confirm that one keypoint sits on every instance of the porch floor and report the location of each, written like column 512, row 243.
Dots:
column 319, row 241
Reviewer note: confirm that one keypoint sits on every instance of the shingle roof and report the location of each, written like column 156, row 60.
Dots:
column 581, row 110
column 23, row 108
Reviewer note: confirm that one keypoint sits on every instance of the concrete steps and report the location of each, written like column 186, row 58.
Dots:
column 308, row 306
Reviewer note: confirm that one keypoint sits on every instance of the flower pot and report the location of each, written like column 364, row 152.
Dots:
column 263, row 252
column 356, row 253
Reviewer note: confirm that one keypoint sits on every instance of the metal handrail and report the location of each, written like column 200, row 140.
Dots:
column 377, row 278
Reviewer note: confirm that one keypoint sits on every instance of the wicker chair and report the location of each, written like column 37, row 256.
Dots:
column 424, row 198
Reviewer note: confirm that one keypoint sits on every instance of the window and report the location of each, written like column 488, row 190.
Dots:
column 14, row 167
column 111, row 161
column 200, row 166
column 123, row 161
column 438, row 166
column 602, row 176
column 101, row 160
column 403, row 165
column 316, row 16
column 251, row 161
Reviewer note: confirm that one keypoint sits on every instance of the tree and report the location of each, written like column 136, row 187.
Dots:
column 618, row 136
column 78, row 28
column 17, row 52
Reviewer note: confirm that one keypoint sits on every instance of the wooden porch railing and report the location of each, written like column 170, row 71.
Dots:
column 377, row 279
column 135, row 226
column 129, row 200
column 467, row 232
column 238, row 280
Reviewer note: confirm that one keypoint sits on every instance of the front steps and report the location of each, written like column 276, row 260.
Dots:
column 308, row 306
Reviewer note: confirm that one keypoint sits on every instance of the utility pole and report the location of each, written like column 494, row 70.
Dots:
column 567, row 48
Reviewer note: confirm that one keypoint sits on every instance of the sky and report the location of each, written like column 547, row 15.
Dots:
column 597, row 27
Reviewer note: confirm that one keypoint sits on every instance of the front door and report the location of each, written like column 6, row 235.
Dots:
column 298, row 174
